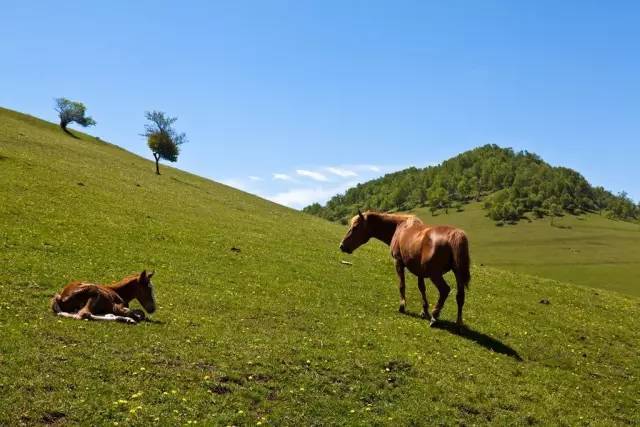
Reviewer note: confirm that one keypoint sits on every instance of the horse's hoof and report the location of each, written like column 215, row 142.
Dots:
column 138, row 315
column 433, row 321
column 425, row 315
column 401, row 309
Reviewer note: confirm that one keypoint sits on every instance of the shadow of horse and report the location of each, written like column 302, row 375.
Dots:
column 484, row 340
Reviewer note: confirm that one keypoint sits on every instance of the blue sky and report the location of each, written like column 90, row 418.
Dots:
column 298, row 100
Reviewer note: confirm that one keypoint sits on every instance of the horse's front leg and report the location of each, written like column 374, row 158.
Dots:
column 425, row 304
column 401, row 286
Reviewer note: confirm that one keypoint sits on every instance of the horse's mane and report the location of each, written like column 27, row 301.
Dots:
column 394, row 216
column 124, row 281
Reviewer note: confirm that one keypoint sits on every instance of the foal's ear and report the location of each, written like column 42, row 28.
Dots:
column 360, row 214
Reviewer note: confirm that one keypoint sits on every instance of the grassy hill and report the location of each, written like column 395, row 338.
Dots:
column 588, row 250
column 278, row 333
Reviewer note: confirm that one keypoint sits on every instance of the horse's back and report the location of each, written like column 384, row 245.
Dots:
column 450, row 251
column 427, row 250
column 76, row 294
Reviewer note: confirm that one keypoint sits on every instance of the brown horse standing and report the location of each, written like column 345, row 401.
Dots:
column 425, row 251
column 80, row 300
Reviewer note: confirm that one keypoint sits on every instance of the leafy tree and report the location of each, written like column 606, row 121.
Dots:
column 162, row 139
column 464, row 188
column 314, row 209
column 72, row 111
column 554, row 211
column 438, row 198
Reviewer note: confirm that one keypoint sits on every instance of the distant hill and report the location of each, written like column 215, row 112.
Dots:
column 510, row 184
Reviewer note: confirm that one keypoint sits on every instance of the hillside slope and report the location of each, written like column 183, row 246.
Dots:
column 588, row 250
column 280, row 332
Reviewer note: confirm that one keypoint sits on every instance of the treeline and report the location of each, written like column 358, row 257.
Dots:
column 510, row 184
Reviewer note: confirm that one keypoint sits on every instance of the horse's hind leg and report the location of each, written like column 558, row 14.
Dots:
column 460, row 300
column 85, row 312
column 444, row 290
column 460, row 296
column 425, row 304
column 401, row 285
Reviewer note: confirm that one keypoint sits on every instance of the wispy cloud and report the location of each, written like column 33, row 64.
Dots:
column 317, row 176
column 302, row 187
column 298, row 198
column 301, row 197
column 344, row 173
column 282, row 177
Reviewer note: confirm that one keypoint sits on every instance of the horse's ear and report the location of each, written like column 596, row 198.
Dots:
column 360, row 214
column 150, row 275
column 143, row 275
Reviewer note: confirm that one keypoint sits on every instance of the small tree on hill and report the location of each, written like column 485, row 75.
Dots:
column 72, row 111
column 162, row 139
column 554, row 211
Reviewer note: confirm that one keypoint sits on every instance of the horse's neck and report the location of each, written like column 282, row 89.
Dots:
column 384, row 226
column 126, row 289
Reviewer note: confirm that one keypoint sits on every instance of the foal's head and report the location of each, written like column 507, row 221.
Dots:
column 144, row 292
column 358, row 234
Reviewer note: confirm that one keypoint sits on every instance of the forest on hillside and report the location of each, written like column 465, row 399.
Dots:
column 510, row 184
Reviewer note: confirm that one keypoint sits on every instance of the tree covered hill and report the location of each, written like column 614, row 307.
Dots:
column 511, row 184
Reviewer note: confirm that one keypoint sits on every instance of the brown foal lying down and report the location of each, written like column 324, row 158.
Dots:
column 80, row 300
column 427, row 252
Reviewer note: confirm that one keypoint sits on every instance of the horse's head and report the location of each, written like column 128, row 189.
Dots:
column 357, row 235
column 145, row 293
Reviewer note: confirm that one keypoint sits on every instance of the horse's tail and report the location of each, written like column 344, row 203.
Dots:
column 55, row 303
column 461, row 260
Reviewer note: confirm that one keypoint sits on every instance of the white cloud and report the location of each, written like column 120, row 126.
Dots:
column 317, row 176
column 298, row 198
column 321, row 183
column 344, row 173
column 282, row 177
column 301, row 197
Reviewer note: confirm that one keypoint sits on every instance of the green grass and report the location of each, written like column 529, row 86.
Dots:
column 588, row 250
column 280, row 333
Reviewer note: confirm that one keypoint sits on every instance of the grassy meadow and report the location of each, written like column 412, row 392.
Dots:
column 588, row 250
column 281, row 332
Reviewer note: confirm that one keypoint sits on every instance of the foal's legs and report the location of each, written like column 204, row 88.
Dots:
column 444, row 290
column 425, row 304
column 120, row 313
column 112, row 317
column 83, row 313
column 401, row 287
